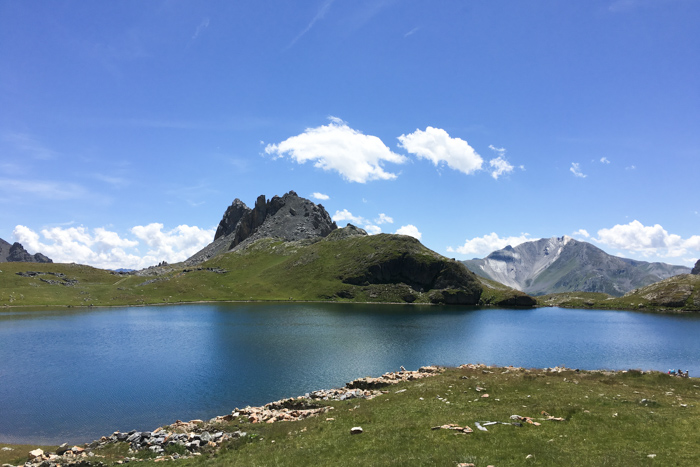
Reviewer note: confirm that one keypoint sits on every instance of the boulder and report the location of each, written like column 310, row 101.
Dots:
column 696, row 269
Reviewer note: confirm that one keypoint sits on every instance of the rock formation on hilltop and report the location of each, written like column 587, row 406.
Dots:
column 696, row 269
column 562, row 264
column 289, row 217
column 17, row 253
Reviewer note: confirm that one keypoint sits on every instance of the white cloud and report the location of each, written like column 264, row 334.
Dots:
column 106, row 249
column 337, row 147
column 410, row 230
column 582, row 233
column 576, row 170
column 320, row 196
column 500, row 166
column 482, row 246
column 604, row 160
column 437, row 146
column 346, row 215
column 373, row 229
column 631, row 167
column 500, row 151
column 174, row 245
column 384, row 219
column 648, row 241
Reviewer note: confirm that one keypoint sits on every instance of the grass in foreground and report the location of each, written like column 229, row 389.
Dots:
column 611, row 419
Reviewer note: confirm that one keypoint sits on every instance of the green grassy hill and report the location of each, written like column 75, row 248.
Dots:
column 676, row 294
column 378, row 268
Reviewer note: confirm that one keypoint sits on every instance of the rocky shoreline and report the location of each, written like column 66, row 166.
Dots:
column 183, row 440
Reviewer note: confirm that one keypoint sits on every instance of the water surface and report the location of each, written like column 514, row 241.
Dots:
column 77, row 375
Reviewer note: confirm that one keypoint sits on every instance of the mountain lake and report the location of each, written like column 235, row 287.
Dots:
column 73, row 375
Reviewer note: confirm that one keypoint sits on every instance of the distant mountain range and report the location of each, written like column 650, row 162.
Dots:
column 562, row 264
column 16, row 253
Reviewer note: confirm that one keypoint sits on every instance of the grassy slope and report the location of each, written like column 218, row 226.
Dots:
column 676, row 294
column 606, row 423
column 267, row 270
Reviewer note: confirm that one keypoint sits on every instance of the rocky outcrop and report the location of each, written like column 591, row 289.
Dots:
column 562, row 264
column 289, row 217
column 17, row 253
column 696, row 269
column 403, row 260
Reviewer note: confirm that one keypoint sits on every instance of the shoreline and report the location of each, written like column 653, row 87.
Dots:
column 366, row 387
column 664, row 311
column 347, row 411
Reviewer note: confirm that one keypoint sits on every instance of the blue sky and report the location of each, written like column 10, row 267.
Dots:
column 127, row 128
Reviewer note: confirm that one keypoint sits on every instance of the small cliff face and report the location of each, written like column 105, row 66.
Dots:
column 17, row 253
column 696, row 269
column 289, row 217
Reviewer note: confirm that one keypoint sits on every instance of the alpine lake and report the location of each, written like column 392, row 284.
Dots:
column 73, row 375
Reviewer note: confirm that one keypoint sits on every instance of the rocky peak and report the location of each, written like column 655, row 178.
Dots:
column 232, row 216
column 289, row 217
column 696, row 269
column 17, row 253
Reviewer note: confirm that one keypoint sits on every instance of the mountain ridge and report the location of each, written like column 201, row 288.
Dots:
column 563, row 264
column 16, row 253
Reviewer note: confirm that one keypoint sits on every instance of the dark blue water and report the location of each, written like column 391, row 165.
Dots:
column 77, row 375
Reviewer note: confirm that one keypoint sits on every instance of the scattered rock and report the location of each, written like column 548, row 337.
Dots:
column 452, row 426
column 356, row 430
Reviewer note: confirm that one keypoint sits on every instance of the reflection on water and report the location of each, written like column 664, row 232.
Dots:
column 74, row 375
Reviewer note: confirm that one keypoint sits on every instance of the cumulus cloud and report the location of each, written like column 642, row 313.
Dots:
column 173, row 245
column 436, row 145
column 576, row 170
column 604, row 160
column 319, row 196
column 337, row 147
column 482, row 246
column 582, row 233
column 346, row 215
column 648, row 241
column 500, row 166
column 410, row 230
column 360, row 221
column 106, row 249
column 384, row 219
